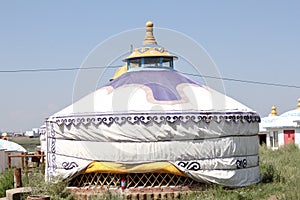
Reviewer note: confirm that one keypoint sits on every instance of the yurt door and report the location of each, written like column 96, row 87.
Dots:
column 289, row 136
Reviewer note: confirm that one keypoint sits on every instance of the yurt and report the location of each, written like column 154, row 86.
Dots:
column 284, row 129
column 9, row 147
column 151, row 126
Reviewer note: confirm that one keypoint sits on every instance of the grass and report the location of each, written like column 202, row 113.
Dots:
column 6, row 182
column 29, row 144
column 56, row 189
column 280, row 180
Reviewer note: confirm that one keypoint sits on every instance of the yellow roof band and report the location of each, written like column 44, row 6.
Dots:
column 119, row 168
column 120, row 71
column 149, row 52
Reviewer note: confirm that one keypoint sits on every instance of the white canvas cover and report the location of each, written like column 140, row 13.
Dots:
column 287, row 119
column 11, row 146
column 134, row 120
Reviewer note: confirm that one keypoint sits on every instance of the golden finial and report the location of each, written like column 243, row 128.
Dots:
column 298, row 108
column 149, row 24
column 274, row 111
column 149, row 38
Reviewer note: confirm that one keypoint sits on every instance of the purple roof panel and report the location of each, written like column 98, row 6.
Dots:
column 163, row 83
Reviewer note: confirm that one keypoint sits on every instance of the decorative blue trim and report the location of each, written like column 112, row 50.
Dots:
column 53, row 148
column 69, row 165
column 143, row 62
column 193, row 165
column 128, row 65
column 157, row 118
column 241, row 164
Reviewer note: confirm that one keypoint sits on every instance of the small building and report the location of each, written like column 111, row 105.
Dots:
column 33, row 133
column 282, row 129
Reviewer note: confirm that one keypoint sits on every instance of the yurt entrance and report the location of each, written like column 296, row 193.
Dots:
column 289, row 136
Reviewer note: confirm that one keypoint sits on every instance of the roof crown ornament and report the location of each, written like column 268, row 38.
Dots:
column 149, row 38
column 149, row 49
column 298, row 106
column 274, row 111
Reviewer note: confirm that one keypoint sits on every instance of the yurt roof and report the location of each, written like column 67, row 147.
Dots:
column 287, row 119
column 266, row 121
column 152, row 90
column 11, row 146
column 292, row 113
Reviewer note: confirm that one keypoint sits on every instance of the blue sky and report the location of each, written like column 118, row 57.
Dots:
column 251, row 40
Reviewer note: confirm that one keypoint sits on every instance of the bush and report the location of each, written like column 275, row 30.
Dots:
column 6, row 182
column 267, row 172
column 56, row 189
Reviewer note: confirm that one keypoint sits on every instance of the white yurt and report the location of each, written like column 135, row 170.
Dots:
column 151, row 126
column 11, row 146
column 6, row 148
column 284, row 128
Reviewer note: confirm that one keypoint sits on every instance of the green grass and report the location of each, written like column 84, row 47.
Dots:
column 280, row 178
column 28, row 143
column 56, row 190
column 6, row 182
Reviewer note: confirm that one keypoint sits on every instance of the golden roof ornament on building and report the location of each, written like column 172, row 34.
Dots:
column 148, row 55
column 149, row 38
column 150, row 47
column 298, row 106
column 274, row 111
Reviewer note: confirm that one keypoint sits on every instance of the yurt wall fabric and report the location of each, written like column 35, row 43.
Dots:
column 213, row 147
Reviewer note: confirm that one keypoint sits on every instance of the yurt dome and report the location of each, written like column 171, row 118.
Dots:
column 266, row 121
column 152, row 125
column 11, row 146
column 293, row 113
column 287, row 119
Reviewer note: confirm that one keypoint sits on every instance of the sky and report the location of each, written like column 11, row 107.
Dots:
column 247, row 40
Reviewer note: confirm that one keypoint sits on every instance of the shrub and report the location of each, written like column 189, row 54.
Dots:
column 56, row 189
column 6, row 182
column 267, row 172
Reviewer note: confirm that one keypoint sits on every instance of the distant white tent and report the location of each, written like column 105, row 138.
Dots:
column 11, row 146
column 282, row 129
